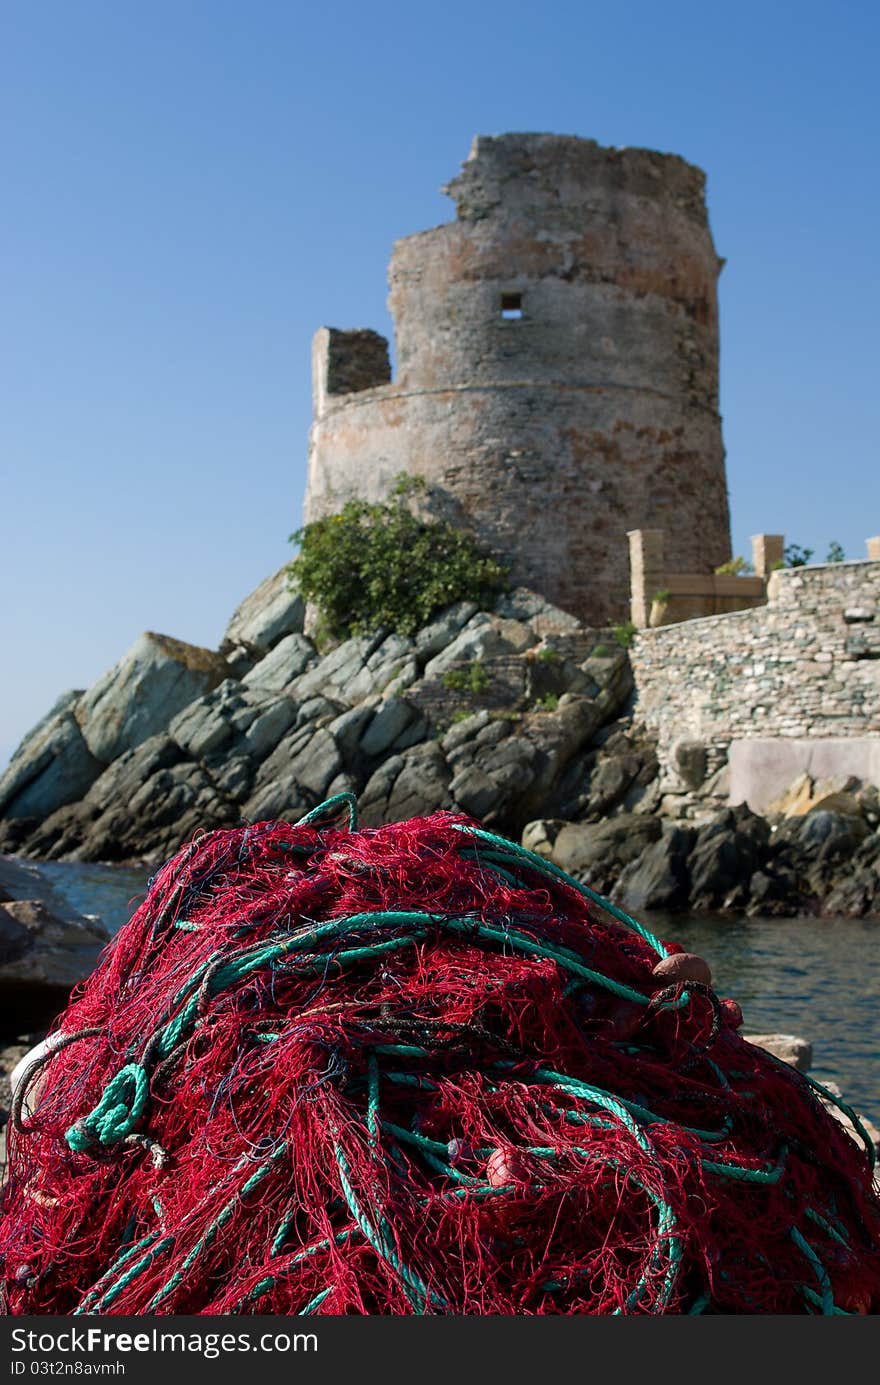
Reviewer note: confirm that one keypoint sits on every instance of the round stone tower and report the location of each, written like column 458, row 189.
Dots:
column 557, row 369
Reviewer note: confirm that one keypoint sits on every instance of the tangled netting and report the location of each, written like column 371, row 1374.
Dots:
column 416, row 1069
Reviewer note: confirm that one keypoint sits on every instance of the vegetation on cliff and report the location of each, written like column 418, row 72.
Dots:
column 387, row 566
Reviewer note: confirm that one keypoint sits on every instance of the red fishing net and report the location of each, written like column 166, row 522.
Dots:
column 415, row 1069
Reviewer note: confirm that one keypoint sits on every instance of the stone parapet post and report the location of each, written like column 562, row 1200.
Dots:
column 768, row 553
column 873, row 547
column 646, row 559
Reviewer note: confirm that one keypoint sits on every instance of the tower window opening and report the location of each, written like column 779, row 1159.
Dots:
column 511, row 307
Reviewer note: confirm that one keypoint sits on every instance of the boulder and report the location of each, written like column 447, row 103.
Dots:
column 206, row 725
column 727, row 852
column 296, row 776
column 596, row 851
column 359, row 668
column 141, row 694
column 773, row 891
column 798, row 1053
column 441, row 631
column 52, row 766
column 541, row 615
column 290, row 657
column 271, row 611
column 658, row 878
column 395, row 726
column 42, row 956
column 690, row 761
column 412, row 784
column 538, row 836
column 484, row 637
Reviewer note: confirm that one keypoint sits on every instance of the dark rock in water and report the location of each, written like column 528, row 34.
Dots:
column 42, row 956
column 658, row 878
column 728, row 850
column 773, row 891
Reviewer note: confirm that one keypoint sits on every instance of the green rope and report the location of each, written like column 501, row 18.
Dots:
column 121, row 1106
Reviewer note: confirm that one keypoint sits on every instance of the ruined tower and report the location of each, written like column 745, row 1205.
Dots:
column 557, row 368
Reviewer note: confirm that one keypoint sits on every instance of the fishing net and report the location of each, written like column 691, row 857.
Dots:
column 417, row 1069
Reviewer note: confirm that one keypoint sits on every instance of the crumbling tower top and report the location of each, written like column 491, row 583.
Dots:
column 557, row 367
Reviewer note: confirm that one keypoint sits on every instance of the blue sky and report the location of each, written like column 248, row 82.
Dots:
column 192, row 188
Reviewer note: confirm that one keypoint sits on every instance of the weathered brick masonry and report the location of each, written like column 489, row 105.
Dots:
column 557, row 368
column 786, row 687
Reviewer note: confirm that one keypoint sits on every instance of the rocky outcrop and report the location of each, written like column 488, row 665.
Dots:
column 492, row 713
column 518, row 716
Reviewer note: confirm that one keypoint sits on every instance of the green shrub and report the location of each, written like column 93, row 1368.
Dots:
column 599, row 651
column 383, row 566
column 835, row 553
column 548, row 703
column 795, row 556
column 468, row 678
column 548, row 655
column 625, row 633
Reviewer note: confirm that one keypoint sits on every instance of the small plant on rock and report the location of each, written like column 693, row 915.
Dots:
column 625, row 633
column 472, row 677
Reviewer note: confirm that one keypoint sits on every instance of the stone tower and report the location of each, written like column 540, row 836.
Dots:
column 557, row 368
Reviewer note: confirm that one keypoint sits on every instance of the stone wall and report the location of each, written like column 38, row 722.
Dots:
column 557, row 369
column 758, row 696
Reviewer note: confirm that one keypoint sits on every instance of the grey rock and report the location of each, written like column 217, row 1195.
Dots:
column 541, row 615
column 476, row 793
column 167, row 808
column 773, row 891
column 41, row 951
column 727, row 852
column 789, row 1048
column 287, row 661
column 127, row 775
column 271, row 611
column 347, row 729
column 658, row 878
column 597, row 850
column 296, row 776
column 267, row 728
column 484, row 637
column 317, row 711
column 140, row 695
column 539, row 835
column 392, row 718
column 690, row 761
column 441, row 631
column 412, row 784
column 209, row 722
column 53, row 766
column 233, row 776
column 334, row 673
column 390, row 668
column 464, row 730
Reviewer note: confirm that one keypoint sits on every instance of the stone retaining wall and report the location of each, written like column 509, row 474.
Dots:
column 801, row 670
